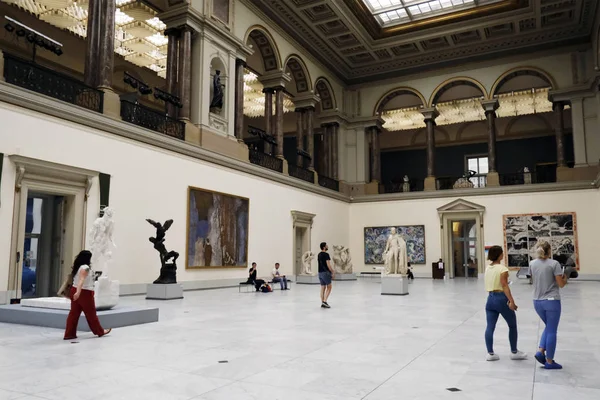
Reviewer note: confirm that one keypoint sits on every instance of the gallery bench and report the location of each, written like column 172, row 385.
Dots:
column 249, row 287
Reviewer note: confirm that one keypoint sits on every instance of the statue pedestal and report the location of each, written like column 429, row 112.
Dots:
column 160, row 291
column 307, row 280
column 106, row 293
column 345, row 277
column 394, row 285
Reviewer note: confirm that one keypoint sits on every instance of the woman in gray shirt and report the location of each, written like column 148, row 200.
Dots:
column 548, row 277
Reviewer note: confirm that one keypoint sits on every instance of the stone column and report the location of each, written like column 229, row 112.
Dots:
column 326, row 156
column 279, row 120
column 430, row 114
column 268, row 113
column 558, row 108
column 375, row 154
column 239, row 99
column 100, row 55
column 490, row 108
column 300, row 135
column 335, row 154
column 172, row 67
column 185, row 72
column 310, row 141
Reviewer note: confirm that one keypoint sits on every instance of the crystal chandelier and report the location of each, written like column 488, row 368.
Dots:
column 254, row 98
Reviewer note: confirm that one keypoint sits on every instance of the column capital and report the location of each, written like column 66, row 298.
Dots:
column 239, row 61
column 430, row 114
column 306, row 100
column 558, row 105
column 300, row 110
column 274, row 79
column 175, row 32
column 490, row 105
column 268, row 90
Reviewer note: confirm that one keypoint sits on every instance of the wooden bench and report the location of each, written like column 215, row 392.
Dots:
column 249, row 287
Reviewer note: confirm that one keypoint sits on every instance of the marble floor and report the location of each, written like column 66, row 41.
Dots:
column 225, row 345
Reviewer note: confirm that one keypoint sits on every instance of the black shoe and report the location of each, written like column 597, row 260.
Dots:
column 325, row 305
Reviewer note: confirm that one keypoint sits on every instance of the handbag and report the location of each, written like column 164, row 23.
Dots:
column 65, row 289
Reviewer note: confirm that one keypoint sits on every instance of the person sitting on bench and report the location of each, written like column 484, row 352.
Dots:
column 252, row 278
column 277, row 277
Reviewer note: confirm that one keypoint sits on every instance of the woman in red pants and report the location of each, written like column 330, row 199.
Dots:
column 82, row 298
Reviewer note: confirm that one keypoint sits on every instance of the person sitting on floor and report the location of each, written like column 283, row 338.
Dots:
column 277, row 277
column 252, row 280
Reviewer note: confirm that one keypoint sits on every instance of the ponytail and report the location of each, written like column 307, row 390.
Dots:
column 543, row 249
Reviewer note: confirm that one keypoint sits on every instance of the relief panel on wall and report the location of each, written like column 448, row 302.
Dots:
column 376, row 239
column 523, row 231
column 217, row 230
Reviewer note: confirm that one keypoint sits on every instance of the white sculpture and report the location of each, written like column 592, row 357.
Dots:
column 406, row 184
column 342, row 260
column 307, row 262
column 101, row 243
column 395, row 255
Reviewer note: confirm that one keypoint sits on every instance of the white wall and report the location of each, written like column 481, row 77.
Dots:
column 424, row 212
column 151, row 183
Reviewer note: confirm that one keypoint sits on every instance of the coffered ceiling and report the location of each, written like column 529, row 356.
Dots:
column 353, row 39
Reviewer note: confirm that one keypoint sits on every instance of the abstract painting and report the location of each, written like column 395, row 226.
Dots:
column 376, row 239
column 217, row 235
column 523, row 231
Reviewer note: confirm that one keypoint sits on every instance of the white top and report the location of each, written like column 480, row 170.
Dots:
column 276, row 272
column 88, row 283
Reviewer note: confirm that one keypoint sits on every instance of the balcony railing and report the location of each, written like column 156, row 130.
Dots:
column 45, row 81
column 265, row 160
column 329, row 183
column 151, row 119
column 301, row 173
column 461, row 182
column 415, row 185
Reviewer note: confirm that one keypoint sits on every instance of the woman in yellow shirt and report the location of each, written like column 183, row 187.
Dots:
column 500, row 302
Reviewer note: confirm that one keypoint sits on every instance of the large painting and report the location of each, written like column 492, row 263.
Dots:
column 376, row 239
column 217, row 234
column 523, row 231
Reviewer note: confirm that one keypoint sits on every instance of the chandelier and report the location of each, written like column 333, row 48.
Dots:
column 139, row 34
column 525, row 102
column 254, row 98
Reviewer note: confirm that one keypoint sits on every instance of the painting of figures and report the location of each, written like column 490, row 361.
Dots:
column 217, row 235
column 376, row 239
column 523, row 232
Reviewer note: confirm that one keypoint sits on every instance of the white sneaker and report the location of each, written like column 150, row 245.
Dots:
column 492, row 357
column 519, row 355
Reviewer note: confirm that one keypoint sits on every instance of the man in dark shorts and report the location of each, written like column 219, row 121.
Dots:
column 326, row 273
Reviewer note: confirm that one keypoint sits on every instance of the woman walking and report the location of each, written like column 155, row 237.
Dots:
column 82, row 298
column 548, row 277
column 500, row 302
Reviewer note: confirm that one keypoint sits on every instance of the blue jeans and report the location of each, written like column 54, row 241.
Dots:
column 497, row 304
column 549, row 312
column 282, row 281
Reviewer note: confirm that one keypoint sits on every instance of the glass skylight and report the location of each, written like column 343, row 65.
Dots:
column 394, row 12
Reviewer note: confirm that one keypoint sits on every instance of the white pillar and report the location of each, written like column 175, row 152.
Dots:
column 579, row 139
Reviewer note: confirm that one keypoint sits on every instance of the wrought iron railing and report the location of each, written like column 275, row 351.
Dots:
column 301, row 173
column 329, row 183
column 151, row 119
column 526, row 178
column 265, row 160
column 45, row 81
column 415, row 185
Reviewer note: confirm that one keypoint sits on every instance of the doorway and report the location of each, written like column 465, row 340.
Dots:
column 302, row 226
column 464, row 248
column 43, row 245
column 301, row 248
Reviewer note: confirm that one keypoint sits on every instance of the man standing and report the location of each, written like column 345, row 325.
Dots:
column 326, row 273
column 277, row 277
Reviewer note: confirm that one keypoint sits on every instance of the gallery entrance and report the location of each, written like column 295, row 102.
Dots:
column 43, row 245
column 302, row 226
column 464, row 249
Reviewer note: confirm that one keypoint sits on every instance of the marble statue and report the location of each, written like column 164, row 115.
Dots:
column 217, row 100
column 168, row 271
column 395, row 255
column 307, row 258
column 526, row 176
column 406, row 184
column 465, row 181
column 101, row 243
column 342, row 260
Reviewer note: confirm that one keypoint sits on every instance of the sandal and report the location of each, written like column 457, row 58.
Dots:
column 107, row 331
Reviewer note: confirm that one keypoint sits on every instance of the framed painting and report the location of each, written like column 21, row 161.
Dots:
column 217, row 230
column 523, row 231
column 376, row 239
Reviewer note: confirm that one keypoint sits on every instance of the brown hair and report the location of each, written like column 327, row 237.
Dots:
column 494, row 253
column 543, row 249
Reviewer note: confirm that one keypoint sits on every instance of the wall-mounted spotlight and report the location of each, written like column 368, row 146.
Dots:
column 137, row 84
column 167, row 97
column 34, row 37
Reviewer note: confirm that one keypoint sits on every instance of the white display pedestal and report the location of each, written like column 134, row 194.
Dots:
column 307, row 280
column 159, row 291
column 345, row 277
column 106, row 296
column 396, row 285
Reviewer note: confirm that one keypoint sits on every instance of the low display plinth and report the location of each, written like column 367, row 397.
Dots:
column 307, row 280
column 160, row 291
column 394, row 285
column 345, row 277
column 56, row 318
